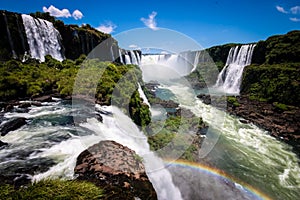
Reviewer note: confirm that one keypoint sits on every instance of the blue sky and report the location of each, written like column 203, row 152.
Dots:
column 208, row 22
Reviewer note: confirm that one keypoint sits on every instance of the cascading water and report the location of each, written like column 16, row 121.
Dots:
column 196, row 60
column 133, row 57
column 43, row 39
column 143, row 96
column 121, row 57
column 177, row 63
column 50, row 143
column 117, row 127
column 112, row 53
column 243, row 151
column 229, row 79
column 127, row 59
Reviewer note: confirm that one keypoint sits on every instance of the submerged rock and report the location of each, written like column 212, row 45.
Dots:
column 11, row 125
column 117, row 169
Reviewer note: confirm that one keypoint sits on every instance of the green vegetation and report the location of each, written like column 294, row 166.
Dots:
column 281, row 106
column 174, row 138
column 52, row 189
column 274, row 74
column 273, row 83
column 30, row 79
column 233, row 101
column 138, row 158
column 278, row 49
column 101, row 79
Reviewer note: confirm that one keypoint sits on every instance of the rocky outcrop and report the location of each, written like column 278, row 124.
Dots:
column 117, row 169
column 11, row 125
column 282, row 124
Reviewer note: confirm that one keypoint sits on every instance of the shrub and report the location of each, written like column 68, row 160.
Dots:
column 52, row 189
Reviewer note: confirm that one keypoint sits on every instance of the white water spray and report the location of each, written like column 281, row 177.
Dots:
column 229, row 79
column 43, row 38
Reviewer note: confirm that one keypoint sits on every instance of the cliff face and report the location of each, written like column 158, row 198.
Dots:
column 117, row 169
column 274, row 73
column 75, row 40
column 13, row 43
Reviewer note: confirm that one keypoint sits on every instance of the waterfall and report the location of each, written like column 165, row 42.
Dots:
column 196, row 60
column 117, row 127
column 127, row 59
column 121, row 57
column 177, row 64
column 143, row 96
column 43, row 39
column 134, row 60
column 138, row 57
column 229, row 79
column 9, row 37
column 112, row 53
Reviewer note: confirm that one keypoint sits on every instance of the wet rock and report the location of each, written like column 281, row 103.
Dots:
column 46, row 98
column 11, row 125
column 3, row 144
column 205, row 98
column 24, row 105
column 99, row 117
column 115, row 168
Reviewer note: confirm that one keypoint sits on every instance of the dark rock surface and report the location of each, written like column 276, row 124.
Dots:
column 46, row 98
column 115, row 168
column 11, row 125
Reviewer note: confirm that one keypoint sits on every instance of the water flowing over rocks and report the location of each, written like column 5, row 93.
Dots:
column 116, row 168
column 283, row 125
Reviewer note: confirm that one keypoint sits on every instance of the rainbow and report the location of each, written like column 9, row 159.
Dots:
column 219, row 173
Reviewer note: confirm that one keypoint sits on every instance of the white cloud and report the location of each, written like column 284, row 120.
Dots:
column 107, row 28
column 133, row 46
column 294, row 19
column 150, row 22
column 77, row 14
column 281, row 9
column 65, row 13
column 295, row 10
column 55, row 12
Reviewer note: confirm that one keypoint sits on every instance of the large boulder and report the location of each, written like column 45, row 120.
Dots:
column 117, row 169
column 12, row 124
